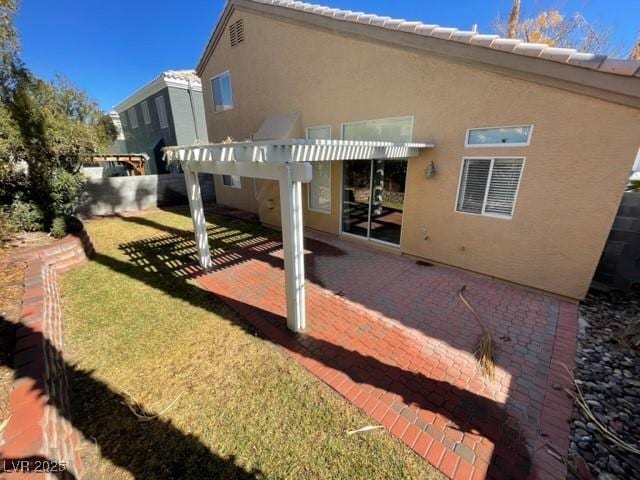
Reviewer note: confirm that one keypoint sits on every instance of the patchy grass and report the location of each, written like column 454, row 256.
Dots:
column 11, row 289
column 135, row 323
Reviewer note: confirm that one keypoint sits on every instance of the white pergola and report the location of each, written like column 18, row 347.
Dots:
column 288, row 162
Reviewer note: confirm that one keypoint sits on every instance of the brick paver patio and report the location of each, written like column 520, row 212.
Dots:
column 391, row 335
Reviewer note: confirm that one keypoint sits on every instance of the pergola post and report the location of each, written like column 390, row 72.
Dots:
column 194, row 195
column 292, row 239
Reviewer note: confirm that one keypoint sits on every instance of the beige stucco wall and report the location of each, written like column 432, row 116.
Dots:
column 576, row 167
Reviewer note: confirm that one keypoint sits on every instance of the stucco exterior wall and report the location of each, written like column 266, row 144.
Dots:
column 575, row 170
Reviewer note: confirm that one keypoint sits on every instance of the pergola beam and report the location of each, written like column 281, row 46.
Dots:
column 288, row 162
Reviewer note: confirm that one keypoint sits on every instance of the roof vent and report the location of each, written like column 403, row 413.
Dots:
column 236, row 33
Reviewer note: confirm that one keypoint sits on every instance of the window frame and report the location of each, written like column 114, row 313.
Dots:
column 351, row 122
column 239, row 186
column 493, row 158
column 306, row 133
column 213, row 97
column 500, row 145
column 164, row 109
column 133, row 115
column 146, row 114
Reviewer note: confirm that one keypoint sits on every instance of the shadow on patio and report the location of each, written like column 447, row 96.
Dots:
column 435, row 330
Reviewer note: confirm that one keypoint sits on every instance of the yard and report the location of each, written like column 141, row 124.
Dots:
column 139, row 327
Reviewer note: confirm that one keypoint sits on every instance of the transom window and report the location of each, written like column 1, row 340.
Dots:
column 232, row 181
column 319, row 189
column 499, row 136
column 488, row 186
column 395, row 129
column 221, row 91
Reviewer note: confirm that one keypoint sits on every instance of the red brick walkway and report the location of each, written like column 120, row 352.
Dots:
column 393, row 338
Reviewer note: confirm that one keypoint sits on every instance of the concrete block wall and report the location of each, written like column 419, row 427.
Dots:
column 619, row 266
column 105, row 196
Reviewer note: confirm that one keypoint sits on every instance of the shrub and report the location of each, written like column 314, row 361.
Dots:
column 26, row 216
column 64, row 187
column 6, row 227
column 58, row 227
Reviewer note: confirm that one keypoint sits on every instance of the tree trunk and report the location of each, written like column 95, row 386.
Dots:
column 514, row 16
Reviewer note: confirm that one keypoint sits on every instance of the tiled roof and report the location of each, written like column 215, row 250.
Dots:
column 519, row 47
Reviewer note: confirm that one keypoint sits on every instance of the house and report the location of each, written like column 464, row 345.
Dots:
column 166, row 111
column 532, row 144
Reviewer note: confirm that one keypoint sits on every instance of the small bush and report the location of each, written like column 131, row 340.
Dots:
column 58, row 227
column 6, row 227
column 26, row 216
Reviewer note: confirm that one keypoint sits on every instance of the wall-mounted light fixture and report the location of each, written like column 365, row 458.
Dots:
column 431, row 170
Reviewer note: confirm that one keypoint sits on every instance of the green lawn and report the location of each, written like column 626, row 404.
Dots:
column 135, row 324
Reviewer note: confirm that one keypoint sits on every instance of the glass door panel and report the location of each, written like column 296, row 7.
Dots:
column 356, row 196
column 387, row 200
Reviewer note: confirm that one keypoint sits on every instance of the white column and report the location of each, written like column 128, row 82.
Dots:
column 292, row 239
column 197, row 216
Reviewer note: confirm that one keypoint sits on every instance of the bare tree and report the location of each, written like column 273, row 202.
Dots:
column 635, row 53
column 514, row 16
column 557, row 30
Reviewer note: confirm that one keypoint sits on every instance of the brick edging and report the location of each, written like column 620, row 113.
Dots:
column 557, row 406
column 38, row 426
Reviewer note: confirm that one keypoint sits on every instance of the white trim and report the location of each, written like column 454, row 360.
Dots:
column 342, row 125
column 500, row 145
column 163, row 80
column 213, row 97
column 491, row 158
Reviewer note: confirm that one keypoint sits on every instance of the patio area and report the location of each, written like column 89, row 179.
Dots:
column 391, row 335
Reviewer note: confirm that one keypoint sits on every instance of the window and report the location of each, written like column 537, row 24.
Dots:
column 133, row 118
column 145, row 112
column 488, row 186
column 319, row 189
column 221, row 90
column 398, row 129
column 499, row 136
column 123, row 120
column 162, row 112
column 232, row 181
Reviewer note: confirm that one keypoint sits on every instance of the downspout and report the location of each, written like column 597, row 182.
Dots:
column 193, row 111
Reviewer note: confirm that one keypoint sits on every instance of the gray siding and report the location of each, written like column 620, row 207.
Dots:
column 181, row 130
column 149, row 138
column 187, row 130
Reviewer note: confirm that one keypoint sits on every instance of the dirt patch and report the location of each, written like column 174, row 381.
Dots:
column 11, row 289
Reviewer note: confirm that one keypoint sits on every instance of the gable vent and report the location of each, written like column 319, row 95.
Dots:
column 236, row 33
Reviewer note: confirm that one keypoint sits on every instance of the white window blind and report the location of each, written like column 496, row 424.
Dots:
column 133, row 118
column 162, row 112
column 145, row 112
column 488, row 186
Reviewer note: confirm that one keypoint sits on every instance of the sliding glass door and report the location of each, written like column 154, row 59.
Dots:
column 373, row 199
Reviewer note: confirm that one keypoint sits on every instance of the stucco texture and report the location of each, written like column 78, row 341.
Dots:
column 575, row 170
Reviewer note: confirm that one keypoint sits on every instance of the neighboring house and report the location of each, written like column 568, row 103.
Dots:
column 119, row 145
column 166, row 111
column 533, row 144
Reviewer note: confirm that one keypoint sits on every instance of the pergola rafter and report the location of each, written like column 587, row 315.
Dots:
column 288, row 162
